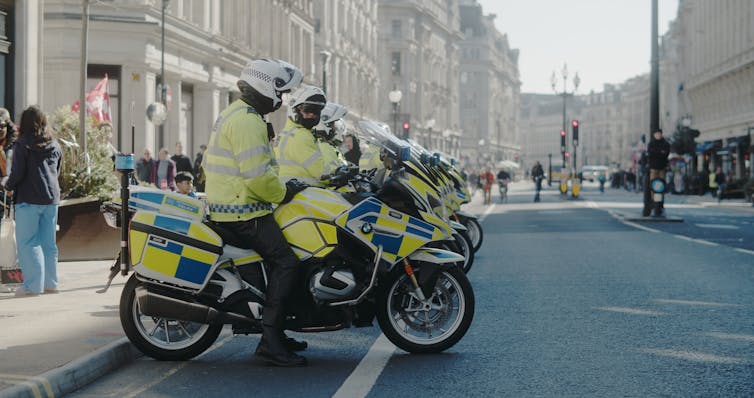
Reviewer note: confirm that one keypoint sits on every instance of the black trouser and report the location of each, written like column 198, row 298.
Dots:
column 267, row 239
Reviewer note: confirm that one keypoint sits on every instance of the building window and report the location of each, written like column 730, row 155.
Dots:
column 395, row 63
column 396, row 29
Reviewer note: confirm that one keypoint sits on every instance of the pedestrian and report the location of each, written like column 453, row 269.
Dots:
column 241, row 191
column 713, row 183
column 163, row 171
column 487, row 179
column 184, row 183
column 145, row 166
column 182, row 162
column 37, row 159
column 658, row 151
column 353, row 152
column 602, row 179
column 537, row 174
column 7, row 139
column 720, row 181
column 199, row 178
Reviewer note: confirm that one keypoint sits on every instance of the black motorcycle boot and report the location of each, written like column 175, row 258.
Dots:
column 292, row 344
column 272, row 350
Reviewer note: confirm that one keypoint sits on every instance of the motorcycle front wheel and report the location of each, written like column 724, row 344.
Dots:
column 463, row 242
column 160, row 338
column 474, row 230
column 429, row 326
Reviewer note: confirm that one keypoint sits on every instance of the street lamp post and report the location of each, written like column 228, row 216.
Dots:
column 549, row 169
column 395, row 97
column 565, row 94
column 325, row 57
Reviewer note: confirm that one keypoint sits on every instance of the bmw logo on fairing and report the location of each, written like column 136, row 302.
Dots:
column 366, row 228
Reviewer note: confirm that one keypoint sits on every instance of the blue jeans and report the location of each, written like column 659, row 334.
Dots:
column 35, row 241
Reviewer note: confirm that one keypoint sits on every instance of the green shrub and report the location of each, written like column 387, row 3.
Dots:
column 77, row 179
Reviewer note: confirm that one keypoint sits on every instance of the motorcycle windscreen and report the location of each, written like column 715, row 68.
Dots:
column 173, row 249
column 376, row 224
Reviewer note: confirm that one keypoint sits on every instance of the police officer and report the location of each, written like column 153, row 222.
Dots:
column 329, row 135
column 297, row 151
column 242, row 182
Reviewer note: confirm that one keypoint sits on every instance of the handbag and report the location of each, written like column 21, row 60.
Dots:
column 9, row 269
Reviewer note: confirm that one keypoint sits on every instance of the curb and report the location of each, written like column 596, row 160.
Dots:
column 77, row 373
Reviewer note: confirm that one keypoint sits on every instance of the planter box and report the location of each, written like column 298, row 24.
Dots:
column 83, row 233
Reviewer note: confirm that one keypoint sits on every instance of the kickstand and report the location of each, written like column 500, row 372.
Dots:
column 113, row 271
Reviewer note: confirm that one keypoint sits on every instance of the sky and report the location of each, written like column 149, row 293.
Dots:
column 605, row 41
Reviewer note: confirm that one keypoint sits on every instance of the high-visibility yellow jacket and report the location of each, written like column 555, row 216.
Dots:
column 370, row 158
column 299, row 155
column 241, row 172
column 332, row 157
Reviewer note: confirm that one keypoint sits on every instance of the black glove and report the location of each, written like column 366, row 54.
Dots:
column 292, row 187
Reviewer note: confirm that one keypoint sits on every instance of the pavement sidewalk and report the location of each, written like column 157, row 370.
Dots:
column 53, row 344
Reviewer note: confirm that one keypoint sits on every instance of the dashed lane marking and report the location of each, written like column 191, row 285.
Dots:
column 631, row 311
column 744, row 251
column 696, row 303
column 696, row 356
column 731, row 336
column 704, row 242
column 487, row 212
column 717, row 226
column 362, row 379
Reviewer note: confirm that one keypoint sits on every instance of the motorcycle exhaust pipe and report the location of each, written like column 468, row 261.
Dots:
column 158, row 305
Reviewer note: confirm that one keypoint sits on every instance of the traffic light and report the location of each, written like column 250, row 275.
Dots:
column 562, row 141
column 567, row 155
column 406, row 128
column 575, row 127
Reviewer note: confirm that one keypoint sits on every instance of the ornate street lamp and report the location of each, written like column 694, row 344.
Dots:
column 395, row 97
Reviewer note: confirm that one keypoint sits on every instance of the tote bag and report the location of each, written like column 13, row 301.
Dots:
column 9, row 269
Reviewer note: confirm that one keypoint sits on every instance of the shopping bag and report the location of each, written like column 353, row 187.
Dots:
column 9, row 269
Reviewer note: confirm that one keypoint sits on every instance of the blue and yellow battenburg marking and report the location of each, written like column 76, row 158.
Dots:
column 172, row 256
column 307, row 221
column 376, row 224
column 174, row 203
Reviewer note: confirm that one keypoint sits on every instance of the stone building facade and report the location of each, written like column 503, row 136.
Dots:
column 712, row 46
column 419, row 47
column 346, row 44
column 489, row 89
column 207, row 43
column 20, row 54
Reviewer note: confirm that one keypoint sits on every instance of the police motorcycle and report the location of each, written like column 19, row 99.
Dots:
column 426, row 183
column 457, row 191
column 363, row 256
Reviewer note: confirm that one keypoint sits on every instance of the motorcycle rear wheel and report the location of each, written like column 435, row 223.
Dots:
column 160, row 338
column 431, row 327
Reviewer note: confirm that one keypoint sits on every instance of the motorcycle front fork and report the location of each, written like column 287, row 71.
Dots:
column 410, row 272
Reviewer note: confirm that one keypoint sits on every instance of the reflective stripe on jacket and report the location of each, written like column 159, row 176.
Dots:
column 241, row 173
column 332, row 158
column 299, row 155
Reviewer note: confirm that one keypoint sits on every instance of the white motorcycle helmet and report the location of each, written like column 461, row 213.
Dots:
column 332, row 113
column 310, row 99
column 338, row 131
column 271, row 78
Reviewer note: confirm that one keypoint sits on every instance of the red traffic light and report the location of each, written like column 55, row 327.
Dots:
column 568, row 154
column 575, row 123
column 562, row 133
column 406, row 126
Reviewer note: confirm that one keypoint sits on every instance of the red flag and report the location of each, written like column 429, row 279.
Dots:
column 97, row 102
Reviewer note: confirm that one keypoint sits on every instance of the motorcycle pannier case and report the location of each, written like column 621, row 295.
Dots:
column 177, row 250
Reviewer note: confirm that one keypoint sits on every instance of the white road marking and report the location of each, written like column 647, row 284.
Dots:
column 362, row 379
column 745, row 251
column 632, row 311
column 704, row 242
column 717, row 226
column 730, row 336
column 635, row 225
column 489, row 210
column 696, row 303
column 695, row 356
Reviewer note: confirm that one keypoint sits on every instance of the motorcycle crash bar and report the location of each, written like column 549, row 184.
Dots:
column 363, row 294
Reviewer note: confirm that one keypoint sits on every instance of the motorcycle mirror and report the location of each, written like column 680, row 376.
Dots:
column 424, row 158
column 435, row 159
